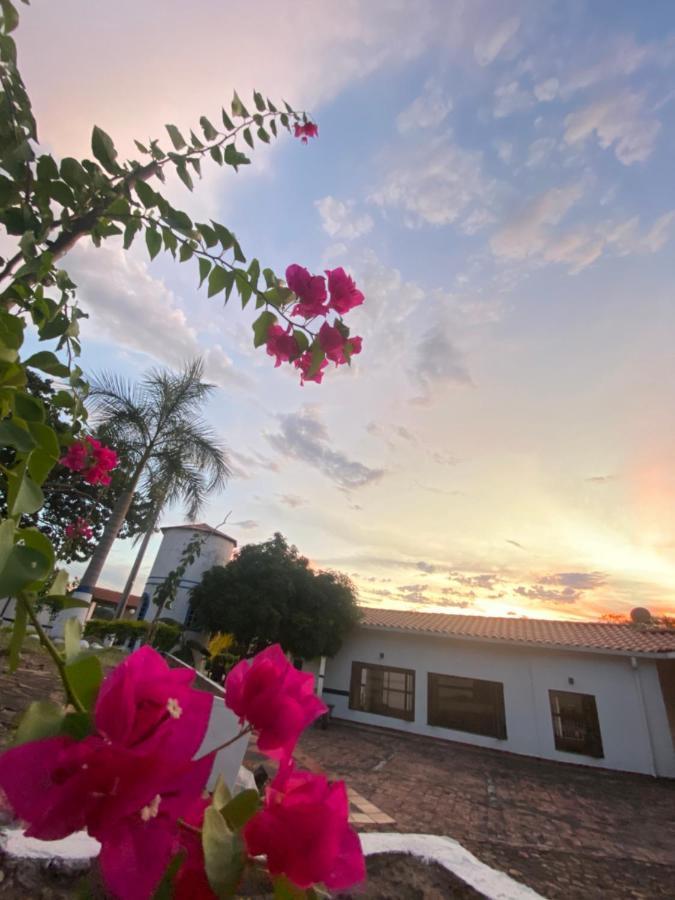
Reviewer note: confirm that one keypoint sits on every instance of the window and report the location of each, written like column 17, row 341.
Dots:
column 575, row 723
column 467, row 704
column 383, row 690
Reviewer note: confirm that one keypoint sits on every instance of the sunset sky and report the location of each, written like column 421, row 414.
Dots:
column 498, row 177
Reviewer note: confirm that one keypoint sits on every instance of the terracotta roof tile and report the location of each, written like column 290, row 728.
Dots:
column 622, row 638
column 106, row 595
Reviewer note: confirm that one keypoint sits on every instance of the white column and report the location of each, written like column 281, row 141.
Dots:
column 76, row 612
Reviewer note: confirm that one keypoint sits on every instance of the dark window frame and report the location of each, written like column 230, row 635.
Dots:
column 381, row 708
column 466, row 720
column 576, row 733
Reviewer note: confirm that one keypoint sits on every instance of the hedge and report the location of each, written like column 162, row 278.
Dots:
column 166, row 636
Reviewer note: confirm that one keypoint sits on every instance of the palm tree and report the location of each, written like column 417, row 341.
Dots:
column 174, row 453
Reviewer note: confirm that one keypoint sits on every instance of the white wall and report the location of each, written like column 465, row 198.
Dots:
column 527, row 675
column 216, row 551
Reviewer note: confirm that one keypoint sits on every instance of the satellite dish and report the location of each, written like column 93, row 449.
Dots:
column 640, row 616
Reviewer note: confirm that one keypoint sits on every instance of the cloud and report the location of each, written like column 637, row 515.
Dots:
column 539, row 151
column 504, row 151
column 582, row 581
column 426, row 111
column 620, row 121
column 242, row 463
column 291, row 500
column 548, row 595
column 510, row 98
column 304, row 437
column 246, row 524
column 131, row 308
column 626, row 237
column 488, row 47
column 438, row 362
column 528, row 232
column 547, row 90
column 437, row 183
column 339, row 220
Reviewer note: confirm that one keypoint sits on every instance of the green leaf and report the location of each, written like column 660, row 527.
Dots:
column 46, row 168
column 165, row 889
column 273, row 127
column 72, row 634
column 241, row 808
column 216, row 154
column 119, row 207
column 185, row 252
column 153, row 240
column 40, row 543
column 147, row 196
column 22, row 567
column 194, row 140
column 263, row 135
column 130, row 232
column 73, row 173
column 14, row 435
column 234, row 158
column 24, row 496
column 10, row 15
column 224, row 235
column 59, row 584
column 227, row 121
column 29, row 408
column 59, row 191
column 248, row 137
column 42, row 719
column 204, row 269
column 18, row 634
column 77, row 725
column 301, row 340
column 286, row 890
column 259, row 102
column 238, row 109
column 210, row 132
column 40, row 464
column 318, row 357
column 48, row 362
column 84, row 677
column 141, row 147
column 217, row 280
column 223, row 854
column 104, row 150
column 184, row 175
column 177, row 138
column 261, row 326
column 46, row 438
column 221, row 794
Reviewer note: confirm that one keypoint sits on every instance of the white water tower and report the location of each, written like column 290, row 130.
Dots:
column 217, row 550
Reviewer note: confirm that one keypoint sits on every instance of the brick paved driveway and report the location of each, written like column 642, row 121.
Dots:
column 566, row 831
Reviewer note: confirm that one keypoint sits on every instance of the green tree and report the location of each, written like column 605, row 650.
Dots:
column 172, row 452
column 69, row 497
column 269, row 594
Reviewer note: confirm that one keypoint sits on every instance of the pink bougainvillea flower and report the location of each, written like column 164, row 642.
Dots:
column 79, row 528
column 332, row 343
column 281, row 344
column 344, row 295
column 304, row 363
column 90, row 457
column 191, row 882
column 129, row 781
column 309, row 289
column 303, row 830
column 275, row 698
column 306, row 130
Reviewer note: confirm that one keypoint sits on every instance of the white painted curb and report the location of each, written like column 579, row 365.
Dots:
column 452, row 856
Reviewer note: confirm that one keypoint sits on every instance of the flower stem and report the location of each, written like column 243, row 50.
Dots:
column 188, row 827
column 247, row 730
column 50, row 647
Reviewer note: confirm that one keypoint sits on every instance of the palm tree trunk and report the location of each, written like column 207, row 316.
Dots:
column 124, row 599
column 88, row 582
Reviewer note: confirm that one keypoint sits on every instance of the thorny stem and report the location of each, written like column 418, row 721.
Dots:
column 49, row 646
column 244, row 731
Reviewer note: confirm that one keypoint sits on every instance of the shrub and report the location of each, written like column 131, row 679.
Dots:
column 166, row 636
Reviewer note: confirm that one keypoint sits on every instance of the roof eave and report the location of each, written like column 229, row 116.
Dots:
column 510, row 642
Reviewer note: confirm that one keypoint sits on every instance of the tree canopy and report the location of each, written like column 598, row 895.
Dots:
column 69, row 497
column 268, row 593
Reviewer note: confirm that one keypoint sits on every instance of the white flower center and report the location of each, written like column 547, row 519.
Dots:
column 173, row 708
column 151, row 810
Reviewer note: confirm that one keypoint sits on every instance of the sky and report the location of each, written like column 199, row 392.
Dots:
column 497, row 177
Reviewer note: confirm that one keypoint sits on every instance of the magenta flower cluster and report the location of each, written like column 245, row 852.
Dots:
column 90, row 457
column 316, row 298
column 79, row 528
column 134, row 783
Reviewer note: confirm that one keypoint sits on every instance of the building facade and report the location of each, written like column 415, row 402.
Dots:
column 217, row 550
column 591, row 693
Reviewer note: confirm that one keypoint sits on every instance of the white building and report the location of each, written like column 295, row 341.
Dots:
column 217, row 550
column 591, row 693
